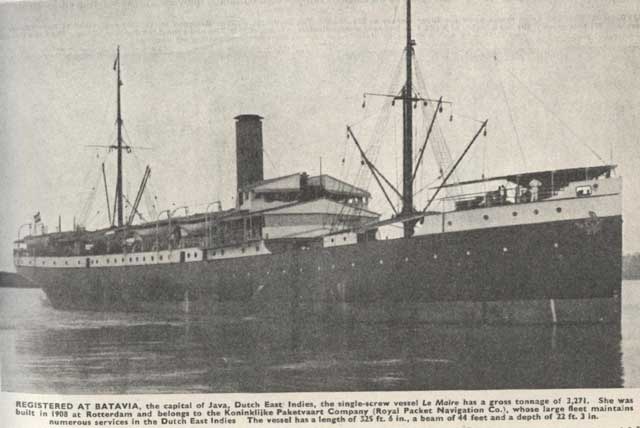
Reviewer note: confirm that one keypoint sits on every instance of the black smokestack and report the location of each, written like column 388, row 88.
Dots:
column 248, row 149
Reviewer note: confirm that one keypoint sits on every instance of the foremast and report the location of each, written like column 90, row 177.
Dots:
column 408, row 214
column 407, row 137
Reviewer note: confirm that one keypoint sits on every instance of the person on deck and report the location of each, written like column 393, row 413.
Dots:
column 534, row 185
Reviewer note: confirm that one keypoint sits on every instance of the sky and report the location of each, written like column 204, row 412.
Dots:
column 558, row 82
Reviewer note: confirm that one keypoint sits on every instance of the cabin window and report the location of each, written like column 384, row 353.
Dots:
column 559, row 209
column 54, row 262
column 486, row 217
column 515, row 214
column 151, row 258
column 130, row 259
column 257, row 248
column 583, row 191
column 160, row 257
column 123, row 260
column 144, row 259
column 222, row 252
column 188, row 255
column 107, row 261
column 536, row 212
column 195, row 255
column 242, row 249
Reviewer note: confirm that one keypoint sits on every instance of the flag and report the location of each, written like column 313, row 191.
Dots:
column 36, row 217
column 115, row 63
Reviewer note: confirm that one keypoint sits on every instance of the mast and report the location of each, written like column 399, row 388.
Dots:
column 407, row 140
column 119, row 147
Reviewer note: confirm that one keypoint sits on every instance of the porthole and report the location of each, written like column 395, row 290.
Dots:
column 136, row 258
column 332, row 240
column 188, row 255
column 558, row 210
column 66, row 262
column 486, row 217
column 130, row 259
column 151, row 258
column 344, row 238
column 123, row 260
column 536, row 212
column 222, row 252
column 78, row 261
column 144, row 259
column 107, row 261
column 450, row 223
column 195, row 255
column 242, row 249
column 515, row 214
column 162, row 256
column 257, row 247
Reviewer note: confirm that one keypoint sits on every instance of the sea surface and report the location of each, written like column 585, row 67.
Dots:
column 49, row 351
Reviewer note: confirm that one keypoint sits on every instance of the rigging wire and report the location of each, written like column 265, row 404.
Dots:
column 509, row 110
column 439, row 146
column 558, row 118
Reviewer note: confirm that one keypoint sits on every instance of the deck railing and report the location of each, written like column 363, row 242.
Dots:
column 500, row 196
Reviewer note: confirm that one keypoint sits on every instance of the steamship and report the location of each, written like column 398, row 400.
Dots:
column 543, row 248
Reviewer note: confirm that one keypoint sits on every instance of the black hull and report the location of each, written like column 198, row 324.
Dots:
column 557, row 271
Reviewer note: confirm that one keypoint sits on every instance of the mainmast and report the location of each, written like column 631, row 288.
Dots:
column 119, row 147
column 407, row 140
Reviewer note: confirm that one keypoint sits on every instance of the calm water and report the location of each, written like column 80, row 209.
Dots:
column 44, row 350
